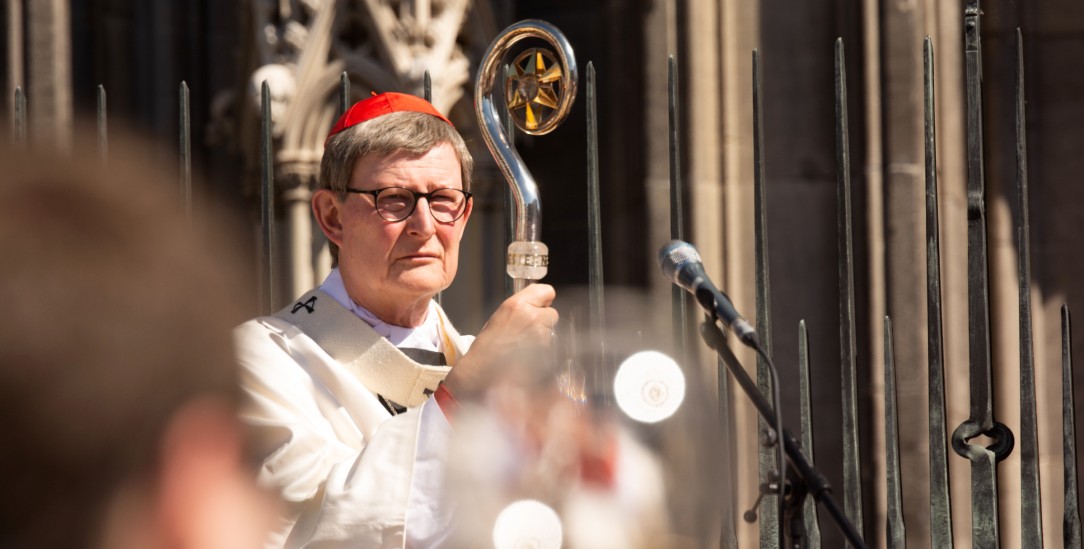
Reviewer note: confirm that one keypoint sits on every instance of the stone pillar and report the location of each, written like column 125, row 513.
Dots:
column 660, row 42
column 703, row 146
column 946, row 30
column 658, row 31
column 49, row 97
column 296, row 184
column 904, row 221
column 15, row 77
column 740, row 34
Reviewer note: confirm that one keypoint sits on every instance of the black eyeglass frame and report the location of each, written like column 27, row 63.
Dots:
column 417, row 195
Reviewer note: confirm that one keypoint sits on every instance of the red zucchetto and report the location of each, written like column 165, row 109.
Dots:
column 380, row 104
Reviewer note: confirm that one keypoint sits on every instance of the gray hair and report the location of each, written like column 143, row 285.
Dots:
column 412, row 132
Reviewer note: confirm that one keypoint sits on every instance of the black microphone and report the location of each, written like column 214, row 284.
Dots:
column 681, row 263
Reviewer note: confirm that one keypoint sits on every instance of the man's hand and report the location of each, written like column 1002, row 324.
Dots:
column 523, row 323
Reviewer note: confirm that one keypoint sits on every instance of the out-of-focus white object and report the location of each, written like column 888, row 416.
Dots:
column 527, row 524
column 649, row 386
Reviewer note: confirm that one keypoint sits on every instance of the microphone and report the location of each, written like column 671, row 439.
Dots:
column 681, row 263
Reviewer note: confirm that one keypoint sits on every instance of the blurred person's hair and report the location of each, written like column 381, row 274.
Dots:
column 114, row 316
column 412, row 132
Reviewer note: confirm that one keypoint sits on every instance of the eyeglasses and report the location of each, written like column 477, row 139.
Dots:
column 397, row 203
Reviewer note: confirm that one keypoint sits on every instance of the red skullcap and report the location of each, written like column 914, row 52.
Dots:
column 380, row 104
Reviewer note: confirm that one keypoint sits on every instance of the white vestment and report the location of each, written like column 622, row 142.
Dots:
column 350, row 473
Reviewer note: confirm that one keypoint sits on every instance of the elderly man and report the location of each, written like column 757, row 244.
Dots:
column 339, row 383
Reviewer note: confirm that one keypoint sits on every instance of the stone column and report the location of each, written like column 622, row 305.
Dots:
column 296, row 184
column 658, row 45
column 946, row 30
column 15, row 51
column 49, row 97
column 904, row 220
column 740, row 34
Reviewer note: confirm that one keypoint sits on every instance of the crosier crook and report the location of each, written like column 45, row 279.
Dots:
column 545, row 95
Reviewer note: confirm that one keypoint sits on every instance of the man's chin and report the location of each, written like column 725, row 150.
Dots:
column 420, row 284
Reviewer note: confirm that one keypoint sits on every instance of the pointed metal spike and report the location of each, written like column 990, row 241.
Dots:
column 267, row 201
column 185, row 123
column 18, row 129
column 809, row 513
column 1071, row 522
column 852, row 472
column 596, row 283
column 940, row 503
column 427, row 86
column 1031, row 512
column 344, row 93
column 103, row 126
column 679, row 318
column 896, row 533
column 772, row 506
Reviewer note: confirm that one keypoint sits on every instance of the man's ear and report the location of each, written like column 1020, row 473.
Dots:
column 328, row 211
column 466, row 213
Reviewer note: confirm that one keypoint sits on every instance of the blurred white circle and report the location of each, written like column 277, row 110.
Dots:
column 649, row 386
column 527, row 524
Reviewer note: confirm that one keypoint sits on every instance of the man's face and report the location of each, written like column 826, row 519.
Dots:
column 390, row 267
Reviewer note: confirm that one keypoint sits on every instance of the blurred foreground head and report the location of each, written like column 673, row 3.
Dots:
column 117, row 382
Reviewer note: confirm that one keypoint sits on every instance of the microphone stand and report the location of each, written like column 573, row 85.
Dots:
column 810, row 480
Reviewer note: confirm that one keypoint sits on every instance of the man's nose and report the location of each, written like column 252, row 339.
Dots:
column 422, row 221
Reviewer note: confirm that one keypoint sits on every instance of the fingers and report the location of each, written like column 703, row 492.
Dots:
column 539, row 295
column 518, row 329
column 534, row 303
column 530, row 306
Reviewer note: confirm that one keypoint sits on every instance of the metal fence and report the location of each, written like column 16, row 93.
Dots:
column 775, row 512
column 1001, row 441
